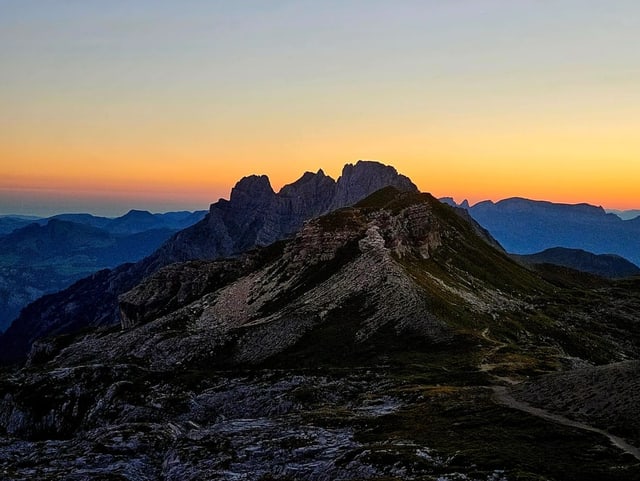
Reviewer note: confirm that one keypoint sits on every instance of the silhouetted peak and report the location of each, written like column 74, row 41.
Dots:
column 137, row 214
column 257, row 185
column 308, row 184
column 365, row 177
column 449, row 201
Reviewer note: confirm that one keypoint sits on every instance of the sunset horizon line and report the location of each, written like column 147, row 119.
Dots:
column 113, row 201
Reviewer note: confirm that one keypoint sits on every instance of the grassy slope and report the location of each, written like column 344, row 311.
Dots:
column 448, row 405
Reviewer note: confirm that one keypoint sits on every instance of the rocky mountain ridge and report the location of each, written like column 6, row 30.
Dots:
column 254, row 215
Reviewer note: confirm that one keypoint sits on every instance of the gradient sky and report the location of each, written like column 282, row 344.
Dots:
column 109, row 105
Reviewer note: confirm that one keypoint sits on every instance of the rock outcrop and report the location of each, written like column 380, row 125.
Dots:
column 255, row 215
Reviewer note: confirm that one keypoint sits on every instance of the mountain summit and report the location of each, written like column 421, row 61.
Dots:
column 254, row 215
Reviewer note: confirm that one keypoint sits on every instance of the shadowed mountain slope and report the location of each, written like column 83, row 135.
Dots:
column 43, row 258
column 524, row 226
column 9, row 223
column 605, row 265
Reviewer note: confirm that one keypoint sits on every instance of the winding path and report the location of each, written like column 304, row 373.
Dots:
column 488, row 367
column 503, row 397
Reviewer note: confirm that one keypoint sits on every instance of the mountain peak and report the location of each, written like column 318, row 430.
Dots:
column 365, row 177
column 254, row 185
column 137, row 213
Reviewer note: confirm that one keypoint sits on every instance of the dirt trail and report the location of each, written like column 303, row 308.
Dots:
column 485, row 366
column 503, row 397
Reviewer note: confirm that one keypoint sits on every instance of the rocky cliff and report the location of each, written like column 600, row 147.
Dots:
column 253, row 216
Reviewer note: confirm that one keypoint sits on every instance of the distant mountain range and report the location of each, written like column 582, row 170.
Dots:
column 526, row 226
column 255, row 215
column 132, row 222
column 41, row 256
column 605, row 265
column 625, row 214
column 9, row 223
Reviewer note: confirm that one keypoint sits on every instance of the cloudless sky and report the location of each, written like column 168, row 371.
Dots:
column 109, row 105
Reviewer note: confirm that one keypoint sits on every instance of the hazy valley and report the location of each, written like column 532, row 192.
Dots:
column 43, row 256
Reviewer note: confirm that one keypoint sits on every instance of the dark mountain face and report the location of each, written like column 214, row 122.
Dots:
column 379, row 342
column 50, row 254
column 626, row 214
column 605, row 265
column 253, row 216
column 525, row 227
column 9, row 223
column 41, row 259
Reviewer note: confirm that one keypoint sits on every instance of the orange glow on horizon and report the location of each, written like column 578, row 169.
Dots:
column 464, row 158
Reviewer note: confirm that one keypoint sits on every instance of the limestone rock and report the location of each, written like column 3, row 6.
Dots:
column 365, row 177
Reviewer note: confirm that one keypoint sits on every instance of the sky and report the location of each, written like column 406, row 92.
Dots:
column 164, row 105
